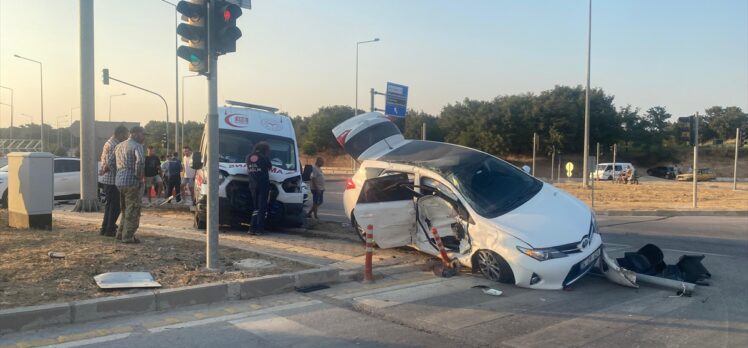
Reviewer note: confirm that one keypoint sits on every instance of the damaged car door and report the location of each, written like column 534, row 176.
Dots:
column 387, row 204
column 441, row 209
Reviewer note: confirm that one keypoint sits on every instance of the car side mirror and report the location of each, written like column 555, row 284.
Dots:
column 197, row 160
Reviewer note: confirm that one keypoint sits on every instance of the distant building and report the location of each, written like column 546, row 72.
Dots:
column 103, row 131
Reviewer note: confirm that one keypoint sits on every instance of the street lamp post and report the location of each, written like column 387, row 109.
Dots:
column 585, row 160
column 59, row 136
column 110, row 103
column 355, row 111
column 10, row 135
column 41, row 92
column 176, row 80
column 181, row 136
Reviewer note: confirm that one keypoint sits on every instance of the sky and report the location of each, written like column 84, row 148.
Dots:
column 299, row 55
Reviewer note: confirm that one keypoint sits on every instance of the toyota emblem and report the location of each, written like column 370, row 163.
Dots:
column 585, row 243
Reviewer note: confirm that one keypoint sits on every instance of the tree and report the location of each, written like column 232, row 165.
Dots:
column 414, row 123
column 657, row 120
column 320, row 124
column 724, row 121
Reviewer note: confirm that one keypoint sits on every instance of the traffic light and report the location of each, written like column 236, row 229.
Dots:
column 105, row 76
column 223, row 30
column 686, row 131
column 194, row 33
column 164, row 141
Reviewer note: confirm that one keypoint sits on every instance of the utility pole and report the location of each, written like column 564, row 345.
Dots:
column 371, row 95
column 695, row 159
column 553, row 160
column 585, row 164
column 597, row 161
column 615, row 150
column 10, row 135
column 211, row 244
column 89, row 201
column 534, row 147
column 423, row 131
column 735, row 168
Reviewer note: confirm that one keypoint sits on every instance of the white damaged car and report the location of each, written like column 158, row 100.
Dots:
column 491, row 216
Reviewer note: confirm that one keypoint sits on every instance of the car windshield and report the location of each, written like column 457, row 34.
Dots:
column 234, row 146
column 491, row 186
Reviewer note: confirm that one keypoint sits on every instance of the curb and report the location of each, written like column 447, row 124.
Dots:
column 670, row 213
column 43, row 316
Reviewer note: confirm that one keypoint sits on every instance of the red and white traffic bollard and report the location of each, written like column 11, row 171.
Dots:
column 368, row 274
column 442, row 252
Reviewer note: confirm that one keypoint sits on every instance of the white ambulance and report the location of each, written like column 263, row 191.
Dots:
column 240, row 127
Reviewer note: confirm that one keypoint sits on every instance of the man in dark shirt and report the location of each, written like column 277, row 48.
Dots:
column 258, row 168
column 108, row 174
column 173, row 180
column 152, row 171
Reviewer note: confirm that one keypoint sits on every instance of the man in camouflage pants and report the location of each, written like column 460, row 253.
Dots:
column 130, row 163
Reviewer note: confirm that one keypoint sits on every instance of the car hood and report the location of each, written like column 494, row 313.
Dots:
column 551, row 218
column 276, row 174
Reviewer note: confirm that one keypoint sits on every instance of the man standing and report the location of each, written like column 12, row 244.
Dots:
column 130, row 164
column 152, row 171
column 318, row 187
column 173, row 169
column 188, row 178
column 111, row 194
column 258, row 168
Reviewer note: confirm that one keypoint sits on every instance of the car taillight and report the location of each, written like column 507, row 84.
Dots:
column 349, row 184
column 342, row 136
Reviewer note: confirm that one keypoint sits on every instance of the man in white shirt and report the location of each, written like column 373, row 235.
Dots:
column 318, row 187
column 188, row 174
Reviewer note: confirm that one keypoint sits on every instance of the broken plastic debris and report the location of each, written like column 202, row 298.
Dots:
column 493, row 292
column 126, row 280
column 56, row 254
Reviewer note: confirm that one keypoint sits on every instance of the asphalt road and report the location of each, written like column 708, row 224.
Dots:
column 418, row 309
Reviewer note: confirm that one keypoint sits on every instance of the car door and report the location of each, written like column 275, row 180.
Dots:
column 452, row 223
column 387, row 203
column 66, row 177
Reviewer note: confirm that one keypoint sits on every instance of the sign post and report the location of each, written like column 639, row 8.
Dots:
column 396, row 100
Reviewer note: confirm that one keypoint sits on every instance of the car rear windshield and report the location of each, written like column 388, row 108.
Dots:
column 491, row 186
column 362, row 141
column 234, row 146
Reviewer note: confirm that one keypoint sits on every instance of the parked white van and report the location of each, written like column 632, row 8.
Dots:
column 240, row 127
column 604, row 171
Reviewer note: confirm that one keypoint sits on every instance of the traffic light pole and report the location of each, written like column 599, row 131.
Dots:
column 211, row 244
column 89, row 200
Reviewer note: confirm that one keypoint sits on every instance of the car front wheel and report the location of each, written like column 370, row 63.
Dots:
column 493, row 266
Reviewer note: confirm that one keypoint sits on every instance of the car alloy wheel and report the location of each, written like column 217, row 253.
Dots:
column 493, row 266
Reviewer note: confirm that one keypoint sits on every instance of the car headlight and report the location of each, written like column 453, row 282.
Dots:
column 542, row 254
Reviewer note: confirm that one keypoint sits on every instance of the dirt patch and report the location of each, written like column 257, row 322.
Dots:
column 669, row 195
column 28, row 276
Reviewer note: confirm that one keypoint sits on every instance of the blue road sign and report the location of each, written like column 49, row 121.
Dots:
column 396, row 101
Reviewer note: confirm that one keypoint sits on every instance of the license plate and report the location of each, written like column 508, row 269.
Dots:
column 587, row 261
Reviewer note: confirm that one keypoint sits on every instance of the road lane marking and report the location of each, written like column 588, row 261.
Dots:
column 91, row 341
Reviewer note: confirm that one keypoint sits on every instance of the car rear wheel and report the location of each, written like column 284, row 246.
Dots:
column 493, row 266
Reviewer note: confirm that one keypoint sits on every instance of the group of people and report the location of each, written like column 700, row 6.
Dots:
column 258, row 172
column 127, row 174
column 123, row 173
column 169, row 177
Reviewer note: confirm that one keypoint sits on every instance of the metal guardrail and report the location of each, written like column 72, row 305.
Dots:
column 20, row 145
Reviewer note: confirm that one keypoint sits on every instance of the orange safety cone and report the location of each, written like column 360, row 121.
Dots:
column 152, row 192
column 368, row 274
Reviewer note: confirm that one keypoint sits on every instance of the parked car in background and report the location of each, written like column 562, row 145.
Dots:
column 703, row 174
column 491, row 216
column 66, row 180
column 605, row 171
column 665, row 172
